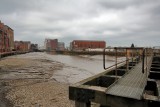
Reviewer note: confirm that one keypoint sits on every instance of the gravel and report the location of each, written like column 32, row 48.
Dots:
column 30, row 84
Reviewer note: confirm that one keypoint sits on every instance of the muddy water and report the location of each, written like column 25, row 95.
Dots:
column 74, row 68
column 77, row 68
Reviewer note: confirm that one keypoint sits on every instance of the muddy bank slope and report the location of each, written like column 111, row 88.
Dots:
column 28, row 83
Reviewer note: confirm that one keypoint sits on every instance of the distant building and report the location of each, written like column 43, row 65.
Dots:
column 34, row 47
column 10, row 34
column 6, row 38
column 156, row 49
column 51, row 44
column 86, row 44
column 61, row 46
column 23, row 46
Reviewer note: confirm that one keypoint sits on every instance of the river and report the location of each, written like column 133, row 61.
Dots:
column 74, row 68
column 77, row 68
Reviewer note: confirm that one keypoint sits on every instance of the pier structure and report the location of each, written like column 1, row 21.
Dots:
column 133, row 82
column 5, row 54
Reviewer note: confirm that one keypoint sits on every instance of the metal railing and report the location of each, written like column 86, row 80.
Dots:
column 147, row 59
column 133, row 55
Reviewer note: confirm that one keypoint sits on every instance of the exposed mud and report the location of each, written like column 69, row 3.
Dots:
column 25, row 82
column 42, row 80
column 4, row 102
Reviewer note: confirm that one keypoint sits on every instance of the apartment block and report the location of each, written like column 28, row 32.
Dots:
column 23, row 46
column 6, row 38
column 51, row 44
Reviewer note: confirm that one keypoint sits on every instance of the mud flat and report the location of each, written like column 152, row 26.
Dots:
column 4, row 102
column 42, row 80
column 27, row 82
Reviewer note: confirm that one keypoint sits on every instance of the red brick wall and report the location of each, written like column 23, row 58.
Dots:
column 1, row 37
column 6, row 38
column 79, row 45
column 51, row 44
column 54, row 44
column 21, row 46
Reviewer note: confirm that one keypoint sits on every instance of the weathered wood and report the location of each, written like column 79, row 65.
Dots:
column 126, row 90
column 82, row 104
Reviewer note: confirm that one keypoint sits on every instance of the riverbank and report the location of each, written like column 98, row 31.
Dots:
column 4, row 102
column 110, row 53
column 42, row 80
column 27, row 82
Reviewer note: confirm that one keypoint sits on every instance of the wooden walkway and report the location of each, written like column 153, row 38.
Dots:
column 133, row 89
column 131, row 85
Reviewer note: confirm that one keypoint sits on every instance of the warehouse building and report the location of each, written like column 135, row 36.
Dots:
column 61, row 46
column 34, row 47
column 23, row 46
column 86, row 44
column 54, row 45
column 6, row 38
column 51, row 44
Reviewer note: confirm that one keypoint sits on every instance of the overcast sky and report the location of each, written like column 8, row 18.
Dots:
column 118, row 22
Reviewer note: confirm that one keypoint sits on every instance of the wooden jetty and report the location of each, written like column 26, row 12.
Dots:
column 5, row 54
column 134, row 82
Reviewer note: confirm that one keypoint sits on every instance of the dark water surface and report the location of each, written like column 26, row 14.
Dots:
column 77, row 68
column 73, row 68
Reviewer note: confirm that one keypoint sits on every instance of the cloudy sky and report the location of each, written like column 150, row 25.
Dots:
column 118, row 22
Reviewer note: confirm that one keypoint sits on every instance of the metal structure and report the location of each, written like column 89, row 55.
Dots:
column 133, row 82
column 5, row 54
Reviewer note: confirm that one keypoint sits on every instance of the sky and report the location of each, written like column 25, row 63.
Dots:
column 118, row 22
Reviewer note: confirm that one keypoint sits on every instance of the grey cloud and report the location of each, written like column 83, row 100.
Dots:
column 119, row 22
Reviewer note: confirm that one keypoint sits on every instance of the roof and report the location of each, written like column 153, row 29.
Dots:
column 88, row 41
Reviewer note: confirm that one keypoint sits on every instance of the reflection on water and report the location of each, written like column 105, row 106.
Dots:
column 78, row 68
column 75, row 68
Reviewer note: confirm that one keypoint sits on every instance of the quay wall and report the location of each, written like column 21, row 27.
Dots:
column 89, row 53
column 5, row 54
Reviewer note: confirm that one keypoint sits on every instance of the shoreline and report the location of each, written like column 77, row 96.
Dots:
column 4, row 102
column 27, row 82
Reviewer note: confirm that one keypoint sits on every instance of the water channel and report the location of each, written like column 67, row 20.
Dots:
column 77, row 68
column 73, row 68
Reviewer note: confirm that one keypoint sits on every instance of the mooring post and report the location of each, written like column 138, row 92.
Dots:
column 104, row 66
column 132, row 56
column 126, row 60
column 143, row 59
column 116, row 61
column 146, row 54
column 82, row 104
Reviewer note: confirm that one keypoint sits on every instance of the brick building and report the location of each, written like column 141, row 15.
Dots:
column 34, row 47
column 85, row 44
column 6, row 38
column 61, row 46
column 10, row 34
column 51, row 44
column 23, row 46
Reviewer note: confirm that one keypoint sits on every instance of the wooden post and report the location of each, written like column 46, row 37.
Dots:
column 116, row 63
column 127, row 69
column 82, row 104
